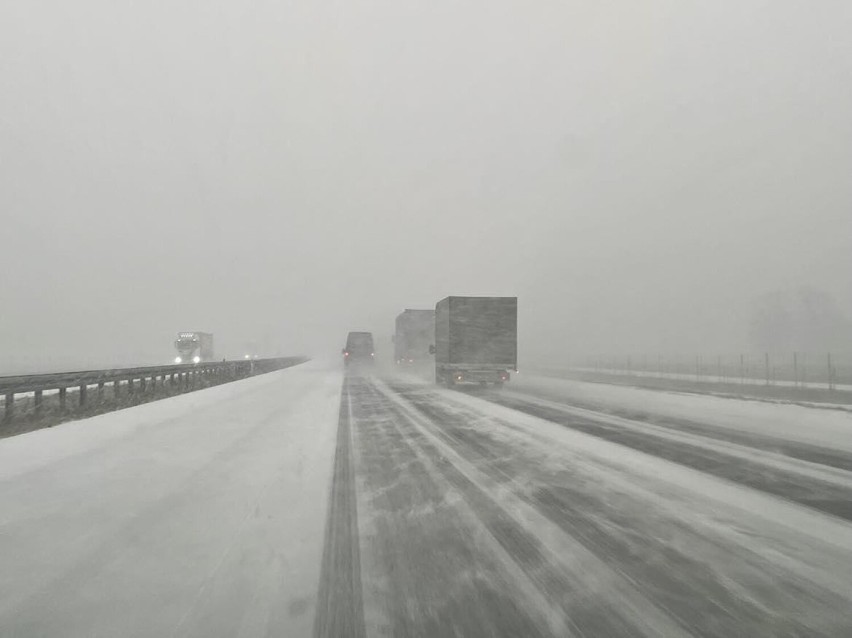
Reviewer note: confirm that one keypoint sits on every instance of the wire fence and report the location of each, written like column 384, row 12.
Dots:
column 794, row 369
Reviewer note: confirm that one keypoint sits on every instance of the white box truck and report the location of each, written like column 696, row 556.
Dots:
column 194, row 347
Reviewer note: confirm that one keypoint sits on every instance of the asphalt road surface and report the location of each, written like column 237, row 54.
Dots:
column 514, row 514
column 308, row 502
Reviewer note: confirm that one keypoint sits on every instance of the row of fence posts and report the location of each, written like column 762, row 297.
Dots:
column 747, row 370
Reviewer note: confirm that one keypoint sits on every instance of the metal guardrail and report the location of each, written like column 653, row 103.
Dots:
column 128, row 382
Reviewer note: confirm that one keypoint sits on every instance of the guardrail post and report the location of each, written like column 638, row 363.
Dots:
column 116, row 389
column 9, row 410
column 37, row 398
column 63, row 392
column 83, row 389
column 766, row 364
column 795, row 370
column 830, row 373
column 143, row 385
column 100, row 391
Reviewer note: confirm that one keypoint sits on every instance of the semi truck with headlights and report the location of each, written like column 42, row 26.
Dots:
column 414, row 333
column 194, row 347
column 476, row 340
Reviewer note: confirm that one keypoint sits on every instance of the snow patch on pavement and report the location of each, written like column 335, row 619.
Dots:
column 827, row 428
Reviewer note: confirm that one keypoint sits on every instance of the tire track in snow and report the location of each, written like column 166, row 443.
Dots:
column 590, row 598
column 428, row 561
column 340, row 608
column 810, row 452
column 713, row 586
column 822, row 495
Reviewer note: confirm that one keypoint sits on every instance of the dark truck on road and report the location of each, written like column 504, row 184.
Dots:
column 414, row 333
column 359, row 349
column 476, row 340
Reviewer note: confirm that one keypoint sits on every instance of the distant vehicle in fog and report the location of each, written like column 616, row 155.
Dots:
column 359, row 348
column 194, row 347
column 476, row 339
column 415, row 332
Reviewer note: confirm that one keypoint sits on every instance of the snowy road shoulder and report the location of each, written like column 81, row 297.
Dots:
column 813, row 426
column 199, row 515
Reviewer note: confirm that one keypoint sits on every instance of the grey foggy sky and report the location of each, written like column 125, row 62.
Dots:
column 636, row 172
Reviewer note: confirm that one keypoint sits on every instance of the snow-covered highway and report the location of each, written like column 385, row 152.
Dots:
column 304, row 502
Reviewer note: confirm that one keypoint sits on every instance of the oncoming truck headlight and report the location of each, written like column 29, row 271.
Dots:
column 178, row 360
column 196, row 359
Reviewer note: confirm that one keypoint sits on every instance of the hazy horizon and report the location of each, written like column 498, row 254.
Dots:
column 280, row 173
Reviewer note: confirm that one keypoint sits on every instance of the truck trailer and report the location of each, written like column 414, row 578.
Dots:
column 476, row 340
column 415, row 332
column 194, row 347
